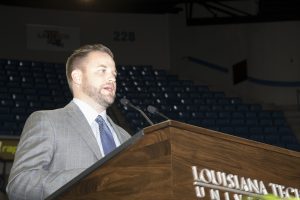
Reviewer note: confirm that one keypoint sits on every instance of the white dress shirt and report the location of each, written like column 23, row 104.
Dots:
column 91, row 114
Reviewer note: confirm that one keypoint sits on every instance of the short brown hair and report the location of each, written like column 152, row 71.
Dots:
column 79, row 54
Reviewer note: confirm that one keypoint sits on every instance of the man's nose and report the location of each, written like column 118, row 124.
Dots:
column 112, row 78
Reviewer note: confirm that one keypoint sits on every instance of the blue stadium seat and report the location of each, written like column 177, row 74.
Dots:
column 202, row 88
column 198, row 115
column 211, row 114
column 237, row 122
column 270, row 130
column 211, row 101
column 265, row 122
column 255, row 107
column 207, row 122
column 6, row 102
column 272, row 139
column 223, row 101
column 277, row 114
column 251, row 115
column 226, row 129
column 191, row 108
column 235, row 100
column 219, row 95
column 251, row 122
column 280, row 122
column 196, row 95
column 198, row 101
column 195, row 121
column 284, row 130
column 190, row 89
column 204, row 108
column 186, row 101
column 241, row 131
column 229, row 108
column 242, row 107
column 264, row 114
column 183, row 116
column 207, row 95
column 256, row 130
column 216, row 107
column 238, row 115
column 224, row 114
column 222, row 122
column 257, row 137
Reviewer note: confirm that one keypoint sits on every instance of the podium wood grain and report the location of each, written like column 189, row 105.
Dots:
column 158, row 165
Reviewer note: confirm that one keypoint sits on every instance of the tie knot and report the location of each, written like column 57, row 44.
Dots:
column 99, row 120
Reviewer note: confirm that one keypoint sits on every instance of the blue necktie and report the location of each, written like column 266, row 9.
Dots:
column 107, row 140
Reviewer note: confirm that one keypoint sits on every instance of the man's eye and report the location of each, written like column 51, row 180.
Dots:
column 102, row 70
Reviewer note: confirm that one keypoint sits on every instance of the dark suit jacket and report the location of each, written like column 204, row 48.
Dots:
column 55, row 146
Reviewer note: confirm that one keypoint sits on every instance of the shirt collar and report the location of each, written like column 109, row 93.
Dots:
column 89, row 112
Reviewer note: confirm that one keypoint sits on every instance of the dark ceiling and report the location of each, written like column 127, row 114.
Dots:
column 124, row 6
column 128, row 6
column 220, row 11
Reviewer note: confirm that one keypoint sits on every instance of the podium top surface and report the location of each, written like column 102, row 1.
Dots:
column 225, row 136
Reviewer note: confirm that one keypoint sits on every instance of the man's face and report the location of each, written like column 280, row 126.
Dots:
column 99, row 78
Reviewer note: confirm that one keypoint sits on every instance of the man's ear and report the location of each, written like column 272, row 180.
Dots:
column 77, row 76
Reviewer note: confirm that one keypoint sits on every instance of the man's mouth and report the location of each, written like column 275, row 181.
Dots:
column 109, row 88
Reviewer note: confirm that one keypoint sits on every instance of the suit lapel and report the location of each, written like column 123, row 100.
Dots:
column 82, row 128
column 119, row 134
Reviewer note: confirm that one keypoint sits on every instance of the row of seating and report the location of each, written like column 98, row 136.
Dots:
column 185, row 101
column 26, row 86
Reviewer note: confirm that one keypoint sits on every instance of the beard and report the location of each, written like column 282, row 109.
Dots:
column 95, row 93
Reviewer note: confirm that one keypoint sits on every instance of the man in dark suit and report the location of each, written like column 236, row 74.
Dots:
column 57, row 145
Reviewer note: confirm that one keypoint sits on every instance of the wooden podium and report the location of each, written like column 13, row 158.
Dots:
column 177, row 161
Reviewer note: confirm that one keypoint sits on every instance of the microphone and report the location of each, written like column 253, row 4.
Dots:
column 126, row 102
column 154, row 110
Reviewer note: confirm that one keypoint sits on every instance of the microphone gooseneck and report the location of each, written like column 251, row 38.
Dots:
column 154, row 110
column 126, row 102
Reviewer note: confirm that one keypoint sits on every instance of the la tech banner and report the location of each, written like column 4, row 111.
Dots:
column 52, row 38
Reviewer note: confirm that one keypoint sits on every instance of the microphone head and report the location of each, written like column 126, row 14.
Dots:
column 124, row 101
column 151, row 109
